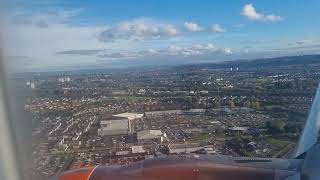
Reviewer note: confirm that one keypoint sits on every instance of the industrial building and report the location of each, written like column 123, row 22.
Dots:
column 175, row 112
column 149, row 136
column 162, row 113
column 137, row 149
column 129, row 116
column 184, row 148
column 236, row 129
column 114, row 127
column 195, row 111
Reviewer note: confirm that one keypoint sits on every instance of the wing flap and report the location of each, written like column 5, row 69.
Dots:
column 309, row 135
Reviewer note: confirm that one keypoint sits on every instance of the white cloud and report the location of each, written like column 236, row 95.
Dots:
column 206, row 47
column 192, row 27
column 41, row 44
column 197, row 50
column 120, row 55
column 53, row 39
column 139, row 29
column 227, row 51
column 80, row 52
column 41, row 36
column 217, row 28
column 44, row 18
column 304, row 42
column 152, row 51
column 250, row 12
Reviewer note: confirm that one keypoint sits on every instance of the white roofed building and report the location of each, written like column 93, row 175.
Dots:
column 163, row 113
column 114, row 127
column 137, row 149
column 149, row 136
column 129, row 116
column 236, row 129
column 184, row 148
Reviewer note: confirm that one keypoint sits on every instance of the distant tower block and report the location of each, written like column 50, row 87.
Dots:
column 237, row 69
column 129, row 126
column 33, row 86
column 231, row 69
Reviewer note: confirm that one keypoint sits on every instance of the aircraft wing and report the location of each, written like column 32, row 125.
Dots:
column 309, row 135
column 192, row 167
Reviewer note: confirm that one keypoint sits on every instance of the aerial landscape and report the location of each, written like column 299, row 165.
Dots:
column 124, row 90
column 241, row 108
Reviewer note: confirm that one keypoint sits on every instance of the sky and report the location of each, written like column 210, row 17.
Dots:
column 61, row 35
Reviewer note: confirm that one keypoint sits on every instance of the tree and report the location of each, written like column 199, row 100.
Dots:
column 247, row 104
column 255, row 105
column 217, row 104
column 276, row 126
column 293, row 128
column 232, row 104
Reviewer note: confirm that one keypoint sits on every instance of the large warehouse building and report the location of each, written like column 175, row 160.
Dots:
column 114, row 127
column 149, row 136
column 184, row 148
column 130, row 116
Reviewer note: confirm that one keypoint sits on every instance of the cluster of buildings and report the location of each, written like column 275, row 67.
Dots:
column 123, row 126
column 85, row 117
column 64, row 79
column 30, row 84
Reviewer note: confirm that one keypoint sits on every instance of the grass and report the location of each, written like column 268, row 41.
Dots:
column 200, row 136
column 263, row 80
column 277, row 142
column 125, row 98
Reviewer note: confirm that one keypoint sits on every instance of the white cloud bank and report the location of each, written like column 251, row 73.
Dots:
column 227, row 50
column 217, row 28
column 196, row 50
column 192, row 27
column 250, row 12
column 139, row 29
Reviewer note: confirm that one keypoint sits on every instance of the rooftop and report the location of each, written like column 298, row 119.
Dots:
column 129, row 116
column 182, row 146
column 149, row 134
column 114, row 124
column 245, row 128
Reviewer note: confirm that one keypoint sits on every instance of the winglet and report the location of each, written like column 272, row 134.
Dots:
column 78, row 174
column 309, row 135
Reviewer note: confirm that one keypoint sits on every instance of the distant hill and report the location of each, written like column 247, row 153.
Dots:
column 263, row 62
column 241, row 63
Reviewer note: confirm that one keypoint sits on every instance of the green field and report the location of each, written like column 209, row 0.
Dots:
column 277, row 142
column 125, row 98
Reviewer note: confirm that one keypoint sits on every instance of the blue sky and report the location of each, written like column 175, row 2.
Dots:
column 53, row 34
